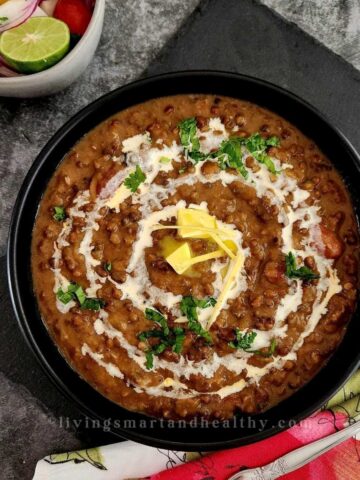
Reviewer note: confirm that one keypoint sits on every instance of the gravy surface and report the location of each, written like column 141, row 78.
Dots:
column 239, row 331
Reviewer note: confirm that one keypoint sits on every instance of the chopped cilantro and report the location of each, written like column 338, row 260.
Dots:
column 230, row 155
column 80, row 295
column 135, row 179
column 64, row 297
column 76, row 292
column 189, row 140
column 149, row 359
column 179, row 339
column 257, row 146
column 293, row 271
column 3, row 19
column 157, row 317
column 243, row 341
column 168, row 337
column 107, row 267
column 93, row 304
column 59, row 214
column 269, row 352
column 188, row 307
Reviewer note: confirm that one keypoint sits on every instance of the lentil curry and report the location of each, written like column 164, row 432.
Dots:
column 196, row 255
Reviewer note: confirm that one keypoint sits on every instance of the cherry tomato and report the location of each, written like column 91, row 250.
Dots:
column 75, row 14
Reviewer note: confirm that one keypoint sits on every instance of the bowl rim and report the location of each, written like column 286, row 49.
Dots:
column 78, row 48
column 14, row 280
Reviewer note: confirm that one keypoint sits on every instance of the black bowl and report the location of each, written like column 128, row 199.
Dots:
column 196, row 435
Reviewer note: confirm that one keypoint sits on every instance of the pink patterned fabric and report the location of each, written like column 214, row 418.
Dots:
column 340, row 463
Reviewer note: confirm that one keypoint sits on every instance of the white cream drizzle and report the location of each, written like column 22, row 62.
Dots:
column 149, row 198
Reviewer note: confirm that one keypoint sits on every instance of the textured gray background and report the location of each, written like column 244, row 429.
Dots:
column 134, row 35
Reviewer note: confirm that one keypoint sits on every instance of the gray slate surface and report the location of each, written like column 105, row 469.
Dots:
column 335, row 23
column 250, row 39
column 135, row 32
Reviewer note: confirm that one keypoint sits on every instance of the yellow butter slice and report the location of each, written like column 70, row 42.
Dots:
column 226, row 245
column 181, row 259
column 194, row 218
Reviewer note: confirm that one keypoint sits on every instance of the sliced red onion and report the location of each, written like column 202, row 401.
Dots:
column 6, row 71
column 48, row 6
column 15, row 12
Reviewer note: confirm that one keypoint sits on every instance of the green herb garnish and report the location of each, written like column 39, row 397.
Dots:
column 76, row 292
column 59, row 214
column 93, row 304
column 107, row 267
column 268, row 353
column 135, row 179
column 189, row 306
column 243, row 341
column 189, row 140
column 230, row 155
column 257, row 146
column 3, row 19
column 157, row 317
column 293, row 271
column 168, row 337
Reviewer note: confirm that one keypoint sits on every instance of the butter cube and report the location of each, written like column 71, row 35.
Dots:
column 180, row 258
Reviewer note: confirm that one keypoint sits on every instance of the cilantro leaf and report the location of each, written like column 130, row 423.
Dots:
column 3, row 19
column 189, row 140
column 293, row 271
column 243, row 341
column 76, row 292
column 168, row 337
column 64, row 297
column 205, row 302
column 80, row 294
column 187, row 133
column 59, row 214
column 149, row 359
column 93, row 304
column 230, row 156
column 157, row 317
column 257, row 146
column 107, row 267
column 135, row 179
column 179, row 339
column 188, row 307
column 270, row 351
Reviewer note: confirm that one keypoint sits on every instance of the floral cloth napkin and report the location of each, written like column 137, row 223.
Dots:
column 129, row 460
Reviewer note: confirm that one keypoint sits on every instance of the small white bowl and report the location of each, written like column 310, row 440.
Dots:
column 65, row 72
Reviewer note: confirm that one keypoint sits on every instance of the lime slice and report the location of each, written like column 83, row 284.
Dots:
column 35, row 45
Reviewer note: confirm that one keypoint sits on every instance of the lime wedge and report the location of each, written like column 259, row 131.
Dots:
column 35, row 45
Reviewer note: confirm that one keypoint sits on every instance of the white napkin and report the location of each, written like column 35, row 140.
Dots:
column 120, row 461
